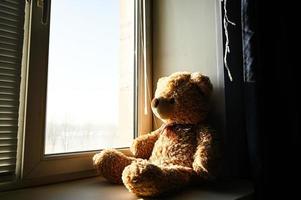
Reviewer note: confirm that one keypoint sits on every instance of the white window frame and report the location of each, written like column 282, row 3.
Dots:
column 33, row 167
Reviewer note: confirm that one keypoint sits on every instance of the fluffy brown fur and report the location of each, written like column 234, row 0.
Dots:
column 180, row 151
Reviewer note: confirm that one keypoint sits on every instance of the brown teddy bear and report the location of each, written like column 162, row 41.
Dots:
column 182, row 150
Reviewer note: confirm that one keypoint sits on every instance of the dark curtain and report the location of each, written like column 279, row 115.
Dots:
column 271, row 90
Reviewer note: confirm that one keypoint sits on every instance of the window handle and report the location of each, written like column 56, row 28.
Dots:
column 45, row 6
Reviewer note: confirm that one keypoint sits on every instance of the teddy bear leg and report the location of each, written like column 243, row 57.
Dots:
column 146, row 179
column 110, row 164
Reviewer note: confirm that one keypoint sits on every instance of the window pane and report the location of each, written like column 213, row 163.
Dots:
column 90, row 75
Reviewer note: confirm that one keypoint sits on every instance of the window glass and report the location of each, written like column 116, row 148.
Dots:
column 90, row 75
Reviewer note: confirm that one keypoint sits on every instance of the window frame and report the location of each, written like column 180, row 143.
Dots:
column 34, row 165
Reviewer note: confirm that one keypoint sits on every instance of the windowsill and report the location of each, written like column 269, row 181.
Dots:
column 98, row 188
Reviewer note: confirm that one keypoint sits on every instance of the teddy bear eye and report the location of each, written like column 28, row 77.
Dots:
column 172, row 100
column 202, row 92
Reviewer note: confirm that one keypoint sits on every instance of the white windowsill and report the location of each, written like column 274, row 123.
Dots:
column 98, row 188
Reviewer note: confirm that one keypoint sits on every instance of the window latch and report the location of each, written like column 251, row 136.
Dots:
column 44, row 5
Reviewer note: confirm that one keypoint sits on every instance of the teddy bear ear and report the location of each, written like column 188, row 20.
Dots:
column 203, row 82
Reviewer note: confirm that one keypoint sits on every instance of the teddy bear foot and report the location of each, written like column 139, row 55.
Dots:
column 110, row 164
column 142, row 178
column 148, row 180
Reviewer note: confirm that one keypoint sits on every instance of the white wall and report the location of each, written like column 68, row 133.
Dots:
column 187, row 37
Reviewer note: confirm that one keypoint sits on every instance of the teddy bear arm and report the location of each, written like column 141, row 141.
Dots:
column 143, row 145
column 207, row 155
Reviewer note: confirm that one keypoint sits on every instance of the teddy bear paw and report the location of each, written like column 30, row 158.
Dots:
column 110, row 164
column 142, row 178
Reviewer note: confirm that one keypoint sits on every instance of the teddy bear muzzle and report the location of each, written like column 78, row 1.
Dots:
column 163, row 107
column 155, row 102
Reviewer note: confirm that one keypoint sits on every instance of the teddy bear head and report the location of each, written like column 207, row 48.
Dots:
column 182, row 98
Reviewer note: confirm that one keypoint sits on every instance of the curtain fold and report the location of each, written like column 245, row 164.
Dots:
column 270, row 39
column 249, row 44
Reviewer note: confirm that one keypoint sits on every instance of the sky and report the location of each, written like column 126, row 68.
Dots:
column 83, row 61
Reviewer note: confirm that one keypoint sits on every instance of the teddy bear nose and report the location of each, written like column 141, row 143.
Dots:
column 155, row 103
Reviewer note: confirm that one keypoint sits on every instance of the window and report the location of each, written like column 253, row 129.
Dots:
column 55, row 102
column 82, row 87
column 90, row 88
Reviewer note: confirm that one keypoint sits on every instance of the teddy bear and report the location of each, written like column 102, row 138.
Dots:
column 178, row 153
